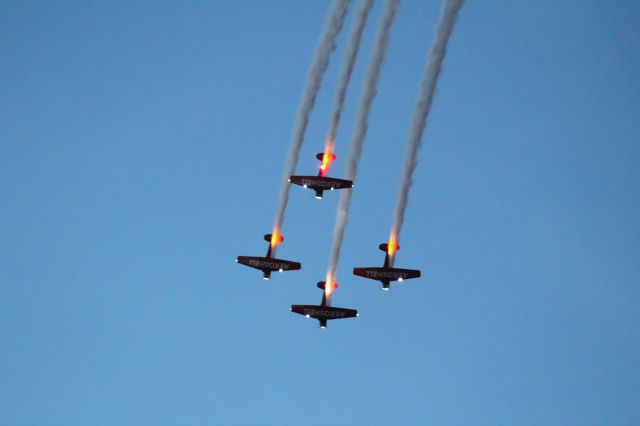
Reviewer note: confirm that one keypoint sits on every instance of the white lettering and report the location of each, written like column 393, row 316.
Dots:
column 318, row 183
column 394, row 275
column 268, row 264
column 323, row 313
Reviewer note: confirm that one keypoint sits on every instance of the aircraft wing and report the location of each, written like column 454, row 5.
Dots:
column 338, row 183
column 268, row 263
column 387, row 274
column 324, row 312
column 320, row 182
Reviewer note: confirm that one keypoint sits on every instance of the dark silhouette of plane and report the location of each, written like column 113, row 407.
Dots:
column 324, row 312
column 269, row 264
column 387, row 273
column 321, row 182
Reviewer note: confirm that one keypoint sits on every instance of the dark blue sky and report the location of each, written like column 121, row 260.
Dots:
column 141, row 150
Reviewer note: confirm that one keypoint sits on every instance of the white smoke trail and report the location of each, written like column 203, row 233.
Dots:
column 360, row 128
column 359, row 21
column 319, row 64
column 437, row 51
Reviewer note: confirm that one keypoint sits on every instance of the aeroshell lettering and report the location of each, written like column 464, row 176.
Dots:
column 268, row 264
column 320, row 183
column 386, row 274
column 312, row 312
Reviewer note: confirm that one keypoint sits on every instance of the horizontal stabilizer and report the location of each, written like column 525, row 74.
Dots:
column 385, row 247
column 322, row 284
column 267, row 238
column 320, row 156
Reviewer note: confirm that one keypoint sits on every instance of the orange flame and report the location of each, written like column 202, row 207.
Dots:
column 327, row 157
column 329, row 286
column 276, row 238
column 392, row 246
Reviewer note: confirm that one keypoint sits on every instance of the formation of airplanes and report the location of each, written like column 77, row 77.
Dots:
column 324, row 311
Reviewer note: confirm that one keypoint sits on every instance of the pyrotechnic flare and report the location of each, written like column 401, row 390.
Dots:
column 360, row 128
column 392, row 247
column 450, row 9
column 326, row 158
column 319, row 64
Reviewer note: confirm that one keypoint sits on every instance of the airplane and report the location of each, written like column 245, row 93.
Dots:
column 323, row 312
column 321, row 182
column 268, row 263
column 387, row 273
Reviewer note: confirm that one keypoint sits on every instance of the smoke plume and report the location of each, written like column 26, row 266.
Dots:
column 437, row 51
column 360, row 128
column 319, row 64
column 358, row 23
